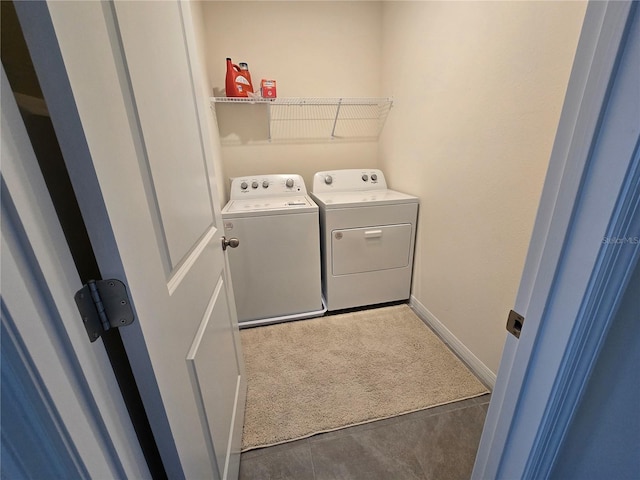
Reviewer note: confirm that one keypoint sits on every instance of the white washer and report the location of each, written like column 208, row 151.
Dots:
column 275, row 270
column 367, row 238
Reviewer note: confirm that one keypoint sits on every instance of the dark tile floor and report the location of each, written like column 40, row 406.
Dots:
column 437, row 443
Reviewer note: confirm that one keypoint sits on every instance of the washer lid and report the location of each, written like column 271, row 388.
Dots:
column 368, row 198
column 269, row 206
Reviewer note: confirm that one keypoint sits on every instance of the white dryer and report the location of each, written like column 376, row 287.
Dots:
column 367, row 238
column 275, row 270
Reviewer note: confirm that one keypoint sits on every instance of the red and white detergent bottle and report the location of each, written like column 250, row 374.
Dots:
column 238, row 82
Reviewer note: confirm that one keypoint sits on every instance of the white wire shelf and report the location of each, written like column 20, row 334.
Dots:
column 308, row 119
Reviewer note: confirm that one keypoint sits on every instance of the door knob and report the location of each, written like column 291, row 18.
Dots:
column 232, row 242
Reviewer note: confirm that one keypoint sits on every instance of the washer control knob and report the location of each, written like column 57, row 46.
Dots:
column 374, row 177
column 328, row 179
column 365, row 177
column 289, row 182
column 254, row 184
column 244, row 185
column 265, row 184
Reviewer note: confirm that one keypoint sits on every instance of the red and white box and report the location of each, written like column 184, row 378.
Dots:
column 268, row 88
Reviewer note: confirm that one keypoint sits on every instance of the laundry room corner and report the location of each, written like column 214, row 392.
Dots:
column 311, row 49
column 477, row 99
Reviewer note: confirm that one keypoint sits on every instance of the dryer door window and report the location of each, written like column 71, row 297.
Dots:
column 359, row 250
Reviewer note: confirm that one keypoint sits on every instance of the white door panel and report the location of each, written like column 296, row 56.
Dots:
column 129, row 128
column 213, row 346
column 158, row 66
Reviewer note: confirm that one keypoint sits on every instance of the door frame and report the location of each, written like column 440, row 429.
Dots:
column 60, row 388
column 571, row 285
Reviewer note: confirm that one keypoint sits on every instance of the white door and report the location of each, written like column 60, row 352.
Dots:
column 124, row 91
column 62, row 411
column 582, row 253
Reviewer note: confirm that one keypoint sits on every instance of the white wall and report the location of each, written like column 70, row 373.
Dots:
column 312, row 49
column 478, row 88
column 204, row 82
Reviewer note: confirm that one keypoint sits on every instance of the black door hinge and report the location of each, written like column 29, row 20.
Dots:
column 514, row 323
column 103, row 304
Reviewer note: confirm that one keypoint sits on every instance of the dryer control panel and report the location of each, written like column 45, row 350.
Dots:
column 349, row 180
column 258, row 186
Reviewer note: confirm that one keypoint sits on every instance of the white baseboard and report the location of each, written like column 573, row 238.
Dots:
column 476, row 366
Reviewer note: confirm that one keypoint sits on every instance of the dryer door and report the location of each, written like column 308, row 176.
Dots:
column 368, row 249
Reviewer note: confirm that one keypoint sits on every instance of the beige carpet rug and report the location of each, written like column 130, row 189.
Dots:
column 328, row 373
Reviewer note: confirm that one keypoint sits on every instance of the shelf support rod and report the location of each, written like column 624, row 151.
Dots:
column 335, row 120
column 269, row 122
